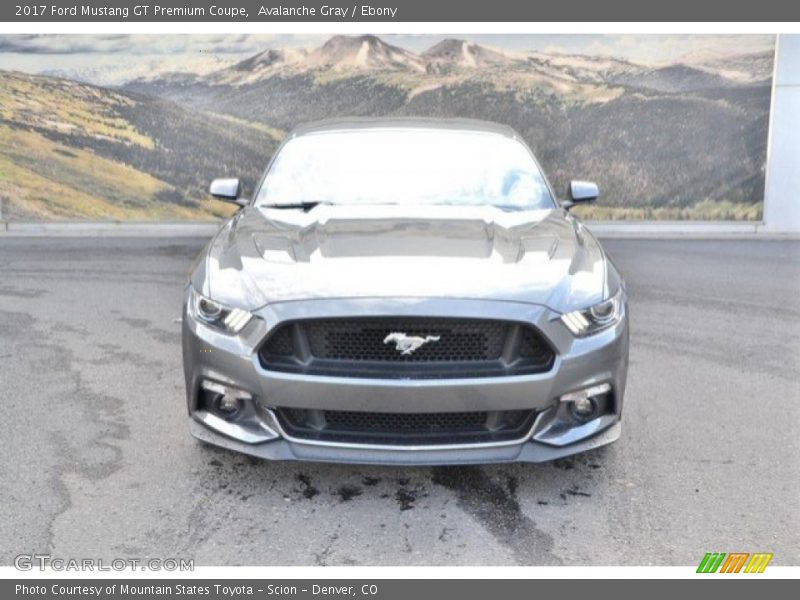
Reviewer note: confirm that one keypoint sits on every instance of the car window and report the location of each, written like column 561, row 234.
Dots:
column 405, row 167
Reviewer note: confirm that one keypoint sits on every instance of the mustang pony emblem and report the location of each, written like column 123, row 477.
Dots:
column 406, row 344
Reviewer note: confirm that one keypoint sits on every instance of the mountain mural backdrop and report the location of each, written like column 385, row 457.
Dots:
column 674, row 140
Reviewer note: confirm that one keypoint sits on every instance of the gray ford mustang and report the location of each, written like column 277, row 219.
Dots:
column 405, row 292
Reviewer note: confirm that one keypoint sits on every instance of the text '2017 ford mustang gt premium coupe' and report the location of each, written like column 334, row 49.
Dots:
column 405, row 292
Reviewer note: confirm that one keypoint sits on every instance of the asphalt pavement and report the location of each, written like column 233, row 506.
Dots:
column 97, row 460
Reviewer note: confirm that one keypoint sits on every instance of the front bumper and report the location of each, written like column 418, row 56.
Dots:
column 233, row 361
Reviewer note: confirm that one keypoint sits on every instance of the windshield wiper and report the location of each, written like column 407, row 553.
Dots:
column 305, row 206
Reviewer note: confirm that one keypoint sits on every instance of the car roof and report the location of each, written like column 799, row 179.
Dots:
column 394, row 123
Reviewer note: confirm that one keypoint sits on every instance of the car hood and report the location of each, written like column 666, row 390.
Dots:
column 263, row 256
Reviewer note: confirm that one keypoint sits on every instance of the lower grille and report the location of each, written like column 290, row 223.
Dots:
column 401, row 429
column 406, row 348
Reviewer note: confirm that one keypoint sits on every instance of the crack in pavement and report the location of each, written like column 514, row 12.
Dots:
column 86, row 446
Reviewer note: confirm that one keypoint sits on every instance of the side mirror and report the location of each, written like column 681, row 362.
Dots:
column 581, row 191
column 228, row 190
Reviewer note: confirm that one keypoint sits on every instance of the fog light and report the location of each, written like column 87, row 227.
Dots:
column 583, row 407
column 583, row 404
column 225, row 400
column 228, row 405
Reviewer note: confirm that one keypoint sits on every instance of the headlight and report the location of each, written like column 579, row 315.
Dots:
column 229, row 320
column 595, row 318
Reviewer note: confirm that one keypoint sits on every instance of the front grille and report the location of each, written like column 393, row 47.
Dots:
column 406, row 347
column 405, row 428
column 364, row 339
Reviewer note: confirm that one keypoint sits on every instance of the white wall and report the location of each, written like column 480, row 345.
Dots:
column 782, row 193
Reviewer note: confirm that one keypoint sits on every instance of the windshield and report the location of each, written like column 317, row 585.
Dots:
column 405, row 166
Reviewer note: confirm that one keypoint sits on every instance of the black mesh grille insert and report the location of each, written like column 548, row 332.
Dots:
column 405, row 428
column 531, row 346
column 281, row 342
column 366, row 421
column 443, row 339
column 406, row 347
